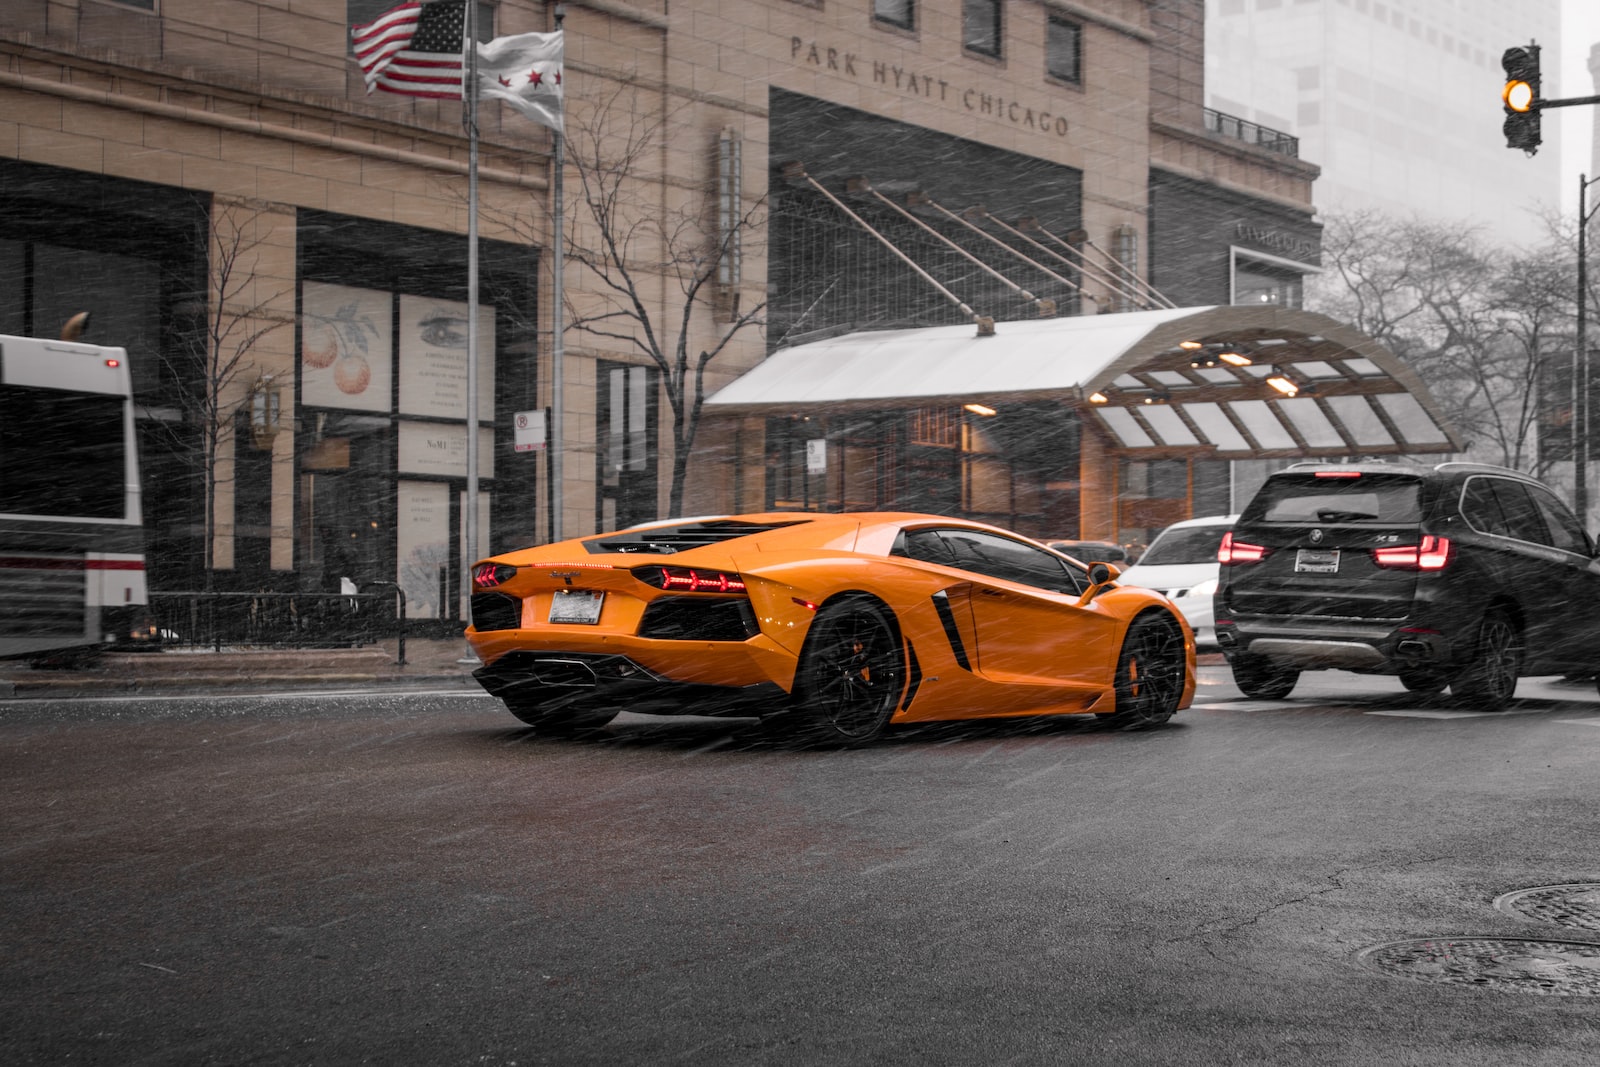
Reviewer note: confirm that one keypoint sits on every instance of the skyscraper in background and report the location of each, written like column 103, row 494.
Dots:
column 1398, row 103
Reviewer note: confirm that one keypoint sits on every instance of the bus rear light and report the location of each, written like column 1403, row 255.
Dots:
column 1431, row 555
column 690, row 580
column 1231, row 551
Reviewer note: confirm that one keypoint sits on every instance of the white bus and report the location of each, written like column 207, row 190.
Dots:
column 72, row 575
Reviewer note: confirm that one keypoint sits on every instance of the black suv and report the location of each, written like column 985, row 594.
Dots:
column 1460, row 574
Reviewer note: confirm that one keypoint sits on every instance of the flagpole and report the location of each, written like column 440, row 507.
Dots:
column 469, row 551
column 557, row 295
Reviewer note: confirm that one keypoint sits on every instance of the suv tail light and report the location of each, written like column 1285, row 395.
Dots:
column 1431, row 555
column 690, row 580
column 1231, row 551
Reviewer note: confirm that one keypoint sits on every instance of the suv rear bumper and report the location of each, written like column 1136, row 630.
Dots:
column 1383, row 649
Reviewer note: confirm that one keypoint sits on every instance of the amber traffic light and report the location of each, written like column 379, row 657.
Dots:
column 1521, row 97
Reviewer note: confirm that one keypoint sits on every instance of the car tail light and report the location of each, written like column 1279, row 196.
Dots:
column 1231, row 551
column 1337, row 474
column 1431, row 555
column 489, row 575
column 690, row 580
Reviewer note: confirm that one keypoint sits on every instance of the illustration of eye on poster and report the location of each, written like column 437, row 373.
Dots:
column 346, row 346
column 433, row 359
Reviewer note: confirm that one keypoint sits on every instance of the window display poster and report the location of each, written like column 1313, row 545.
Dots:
column 422, row 518
column 433, row 358
column 483, row 543
column 441, row 448
column 346, row 347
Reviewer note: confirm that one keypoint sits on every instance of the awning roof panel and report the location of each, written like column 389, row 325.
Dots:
column 1131, row 362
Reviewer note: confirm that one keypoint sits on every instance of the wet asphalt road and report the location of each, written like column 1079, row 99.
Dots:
column 398, row 878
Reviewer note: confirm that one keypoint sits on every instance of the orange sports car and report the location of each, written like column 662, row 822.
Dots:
column 844, row 624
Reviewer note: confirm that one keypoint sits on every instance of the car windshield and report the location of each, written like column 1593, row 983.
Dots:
column 1380, row 498
column 1191, row 544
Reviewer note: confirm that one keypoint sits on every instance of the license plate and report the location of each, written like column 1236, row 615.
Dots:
column 1317, row 561
column 576, row 605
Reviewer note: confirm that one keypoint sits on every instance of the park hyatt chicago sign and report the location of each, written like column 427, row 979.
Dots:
column 850, row 65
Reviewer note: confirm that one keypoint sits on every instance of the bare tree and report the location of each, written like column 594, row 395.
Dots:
column 237, row 317
column 651, row 249
column 1481, row 326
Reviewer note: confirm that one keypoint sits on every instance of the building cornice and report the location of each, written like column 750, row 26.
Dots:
column 111, row 68
column 1289, row 166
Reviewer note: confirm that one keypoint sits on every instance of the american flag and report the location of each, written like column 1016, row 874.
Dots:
column 414, row 49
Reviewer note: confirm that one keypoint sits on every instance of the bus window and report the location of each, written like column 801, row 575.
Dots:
column 61, row 453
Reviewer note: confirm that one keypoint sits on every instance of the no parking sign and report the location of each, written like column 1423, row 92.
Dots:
column 530, row 431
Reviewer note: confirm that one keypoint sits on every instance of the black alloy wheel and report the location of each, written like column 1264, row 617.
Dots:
column 1150, row 674
column 1490, row 679
column 1423, row 679
column 1261, row 679
column 851, row 673
column 558, row 717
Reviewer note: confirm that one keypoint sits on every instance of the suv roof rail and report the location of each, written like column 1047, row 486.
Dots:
column 1473, row 465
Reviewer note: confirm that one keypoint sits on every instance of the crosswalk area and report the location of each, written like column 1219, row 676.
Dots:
column 1559, row 700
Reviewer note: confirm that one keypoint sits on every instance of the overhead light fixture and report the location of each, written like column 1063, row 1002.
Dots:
column 1190, row 346
column 1099, row 398
column 1280, row 380
column 979, row 409
column 1160, row 396
column 1238, row 359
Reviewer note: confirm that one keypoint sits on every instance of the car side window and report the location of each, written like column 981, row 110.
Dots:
column 1481, row 508
column 1565, row 531
column 1523, row 520
column 1012, row 561
column 925, row 546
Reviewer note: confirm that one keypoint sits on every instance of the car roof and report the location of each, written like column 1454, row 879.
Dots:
column 1381, row 466
column 1204, row 520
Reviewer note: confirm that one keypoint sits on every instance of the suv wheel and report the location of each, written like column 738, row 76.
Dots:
column 1490, row 679
column 1423, row 680
column 1258, row 677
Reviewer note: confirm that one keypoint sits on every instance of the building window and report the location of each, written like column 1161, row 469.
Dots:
column 626, row 418
column 902, row 13
column 1063, row 50
column 361, row 12
column 730, row 221
column 1260, row 284
column 980, row 27
column 142, row 5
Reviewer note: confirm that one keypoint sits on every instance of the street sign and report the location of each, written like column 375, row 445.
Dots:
column 817, row 455
column 530, row 436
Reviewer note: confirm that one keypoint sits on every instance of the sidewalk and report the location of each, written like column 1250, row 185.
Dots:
column 433, row 663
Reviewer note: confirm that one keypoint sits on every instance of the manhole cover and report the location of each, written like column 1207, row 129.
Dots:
column 1550, row 968
column 1574, row 906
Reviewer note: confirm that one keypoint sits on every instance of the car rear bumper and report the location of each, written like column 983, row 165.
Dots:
column 616, row 680
column 1383, row 648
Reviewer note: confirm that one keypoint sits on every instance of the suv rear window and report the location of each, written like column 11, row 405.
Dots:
column 1376, row 498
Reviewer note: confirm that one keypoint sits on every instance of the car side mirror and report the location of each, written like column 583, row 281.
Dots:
column 1101, row 575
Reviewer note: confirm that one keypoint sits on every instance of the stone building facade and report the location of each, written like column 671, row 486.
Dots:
column 178, row 166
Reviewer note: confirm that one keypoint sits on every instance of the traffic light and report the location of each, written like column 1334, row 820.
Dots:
column 1521, row 97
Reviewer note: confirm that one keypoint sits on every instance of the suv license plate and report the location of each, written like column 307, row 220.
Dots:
column 576, row 605
column 1316, row 561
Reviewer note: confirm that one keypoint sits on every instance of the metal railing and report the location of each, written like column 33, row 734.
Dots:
column 1249, row 132
column 279, row 620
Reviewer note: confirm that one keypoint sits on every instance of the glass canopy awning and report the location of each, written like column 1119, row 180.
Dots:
column 1227, row 382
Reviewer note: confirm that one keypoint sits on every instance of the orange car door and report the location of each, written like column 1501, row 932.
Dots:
column 1025, row 612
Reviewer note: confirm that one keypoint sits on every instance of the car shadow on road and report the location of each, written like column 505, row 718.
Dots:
column 694, row 735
